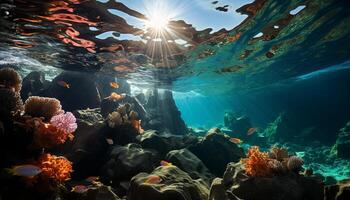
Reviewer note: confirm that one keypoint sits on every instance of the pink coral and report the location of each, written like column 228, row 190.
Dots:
column 65, row 122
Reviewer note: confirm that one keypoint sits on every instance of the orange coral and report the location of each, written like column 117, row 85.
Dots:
column 55, row 168
column 46, row 135
column 257, row 164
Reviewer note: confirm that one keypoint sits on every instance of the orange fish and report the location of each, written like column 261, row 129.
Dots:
column 63, row 84
column 236, row 140
column 153, row 179
column 137, row 125
column 251, row 131
column 116, row 97
column 114, row 85
column 165, row 163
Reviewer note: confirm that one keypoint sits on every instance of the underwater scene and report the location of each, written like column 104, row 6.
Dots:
column 175, row 99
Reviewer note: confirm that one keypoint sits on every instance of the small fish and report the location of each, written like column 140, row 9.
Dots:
column 137, row 125
column 114, row 85
column 80, row 189
column 236, row 140
column 153, row 179
column 116, row 97
column 63, row 84
column 251, row 131
column 25, row 170
column 92, row 179
column 109, row 141
column 165, row 163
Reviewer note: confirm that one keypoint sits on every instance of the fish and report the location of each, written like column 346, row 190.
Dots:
column 114, row 85
column 236, row 140
column 80, row 189
column 153, row 179
column 25, row 170
column 63, row 84
column 109, row 141
column 251, row 131
column 165, row 163
column 92, row 179
column 137, row 125
column 116, row 97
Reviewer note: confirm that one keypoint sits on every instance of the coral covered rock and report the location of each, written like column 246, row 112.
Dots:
column 10, row 79
column 65, row 122
column 339, row 191
column 171, row 183
column 42, row 107
column 257, row 163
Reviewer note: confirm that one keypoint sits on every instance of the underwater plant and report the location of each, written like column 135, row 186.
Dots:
column 55, row 168
column 257, row 163
column 10, row 79
column 46, row 107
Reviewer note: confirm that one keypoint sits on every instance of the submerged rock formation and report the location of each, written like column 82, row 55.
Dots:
column 343, row 142
column 167, row 183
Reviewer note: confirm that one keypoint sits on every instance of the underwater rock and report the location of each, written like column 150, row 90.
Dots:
column 108, row 106
column 89, row 149
column 163, row 113
column 171, row 184
column 239, row 125
column 103, row 84
column 10, row 102
column 75, row 91
column 288, row 187
column 33, row 84
column 216, row 151
column 127, row 161
column 339, row 191
column 343, row 142
column 188, row 162
column 101, row 193
column 152, row 139
column 89, row 116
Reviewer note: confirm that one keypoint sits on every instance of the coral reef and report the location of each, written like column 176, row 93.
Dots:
column 65, row 122
column 46, row 107
column 10, row 102
column 10, row 79
column 257, row 163
column 295, row 164
column 55, row 168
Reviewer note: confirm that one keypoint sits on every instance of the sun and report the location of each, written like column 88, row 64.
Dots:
column 157, row 21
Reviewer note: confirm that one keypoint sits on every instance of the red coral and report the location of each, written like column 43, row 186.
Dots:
column 47, row 135
column 55, row 168
column 257, row 164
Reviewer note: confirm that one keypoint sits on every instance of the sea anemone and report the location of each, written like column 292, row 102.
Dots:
column 47, row 135
column 295, row 164
column 65, row 122
column 257, row 163
column 42, row 107
column 55, row 168
column 10, row 102
column 10, row 79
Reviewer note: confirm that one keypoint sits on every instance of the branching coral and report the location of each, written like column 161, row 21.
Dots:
column 42, row 107
column 46, row 135
column 257, row 163
column 55, row 168
column 276, row 161
column 10, row 79
column 124, row 116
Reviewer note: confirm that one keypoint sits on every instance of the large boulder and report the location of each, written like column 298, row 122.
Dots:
column 291, row 186
column 216, row 151
column 172, row 184
column 188, row 162
column 343, row 142
column 163, row 143
column 33, row 84
column 127, row 161
column 81, row 94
